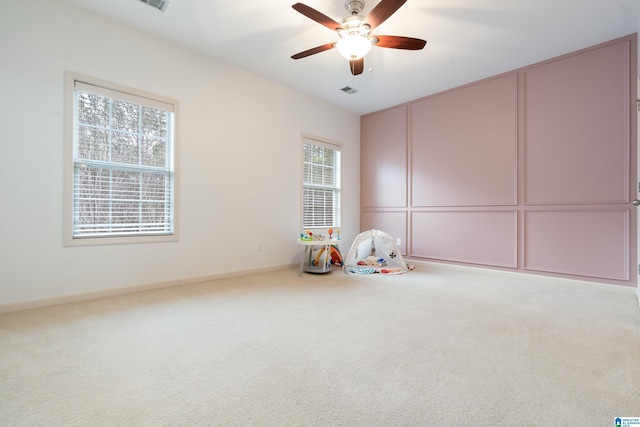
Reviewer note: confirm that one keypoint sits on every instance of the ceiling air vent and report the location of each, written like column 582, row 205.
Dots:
column 349, row 90
column 158, row 4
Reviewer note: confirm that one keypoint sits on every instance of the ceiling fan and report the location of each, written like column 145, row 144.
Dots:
column 354, row 32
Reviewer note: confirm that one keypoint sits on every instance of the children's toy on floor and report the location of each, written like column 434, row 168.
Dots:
column 375, row 251
column 373, row 261
column 320, row 251
column 335, row 257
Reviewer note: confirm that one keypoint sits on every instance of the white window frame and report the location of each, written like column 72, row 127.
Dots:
column 306, row 139
column 126, row 93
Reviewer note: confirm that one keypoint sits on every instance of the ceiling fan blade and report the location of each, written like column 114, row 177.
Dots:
column 313, row 51
column 400, row 42
column 356, row 66
column 319, row 17
column 382, row 11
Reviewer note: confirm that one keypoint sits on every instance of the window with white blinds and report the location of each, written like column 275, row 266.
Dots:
column 320, row 184
column 123, row 165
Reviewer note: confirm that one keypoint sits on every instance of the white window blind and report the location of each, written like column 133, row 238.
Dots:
column 123, row 172
column 321, row 185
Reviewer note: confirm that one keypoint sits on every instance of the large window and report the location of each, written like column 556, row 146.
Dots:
column 320, row 184
column 121, row 171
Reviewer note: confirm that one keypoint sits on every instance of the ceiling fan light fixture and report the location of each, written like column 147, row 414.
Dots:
column 353, row 46
column 354, row 32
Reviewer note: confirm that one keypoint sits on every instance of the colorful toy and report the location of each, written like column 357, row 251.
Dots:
column 336, row 256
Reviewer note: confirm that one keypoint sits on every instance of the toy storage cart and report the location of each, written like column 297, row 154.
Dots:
column 309, row 252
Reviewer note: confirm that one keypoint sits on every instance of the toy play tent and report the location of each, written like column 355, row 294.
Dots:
column 374, row 251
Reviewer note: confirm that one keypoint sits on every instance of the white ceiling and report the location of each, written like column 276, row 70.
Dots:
column 467, row 40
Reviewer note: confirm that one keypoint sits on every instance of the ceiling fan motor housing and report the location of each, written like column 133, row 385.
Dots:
column 354, row 7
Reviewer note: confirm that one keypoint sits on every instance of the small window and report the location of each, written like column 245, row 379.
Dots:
column 320, row 184
column 121, row 173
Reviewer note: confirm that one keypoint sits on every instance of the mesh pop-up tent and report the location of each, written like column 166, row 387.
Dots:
column 374, row 251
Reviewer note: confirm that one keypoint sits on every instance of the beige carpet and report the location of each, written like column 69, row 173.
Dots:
column 438, row 346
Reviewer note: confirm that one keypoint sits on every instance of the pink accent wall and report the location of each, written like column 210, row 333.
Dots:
column 464, row 146
column 479, row 237
column 592, row 243
column 386, row 150
column 577, row 129
column 531, row 171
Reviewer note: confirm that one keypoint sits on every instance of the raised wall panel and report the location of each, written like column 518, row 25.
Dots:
column 531, row 170
column 577, row 129
column 383, row 159
column 585, row 243
column 392, row 223
column 479, row 237
column 464, row 146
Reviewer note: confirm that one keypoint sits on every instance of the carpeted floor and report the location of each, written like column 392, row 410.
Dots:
column 438, row 346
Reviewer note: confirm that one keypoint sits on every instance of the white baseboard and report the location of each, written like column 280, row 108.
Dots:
column 121, row 290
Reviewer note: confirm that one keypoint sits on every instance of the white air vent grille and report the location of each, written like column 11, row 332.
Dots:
column 349, row 90
column 158, row 4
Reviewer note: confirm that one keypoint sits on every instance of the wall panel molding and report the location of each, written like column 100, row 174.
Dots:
column 531, row 170
column 590, row 243
column 464, row 145
column 486, row 237
column 577, row 129
column 384, row 144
